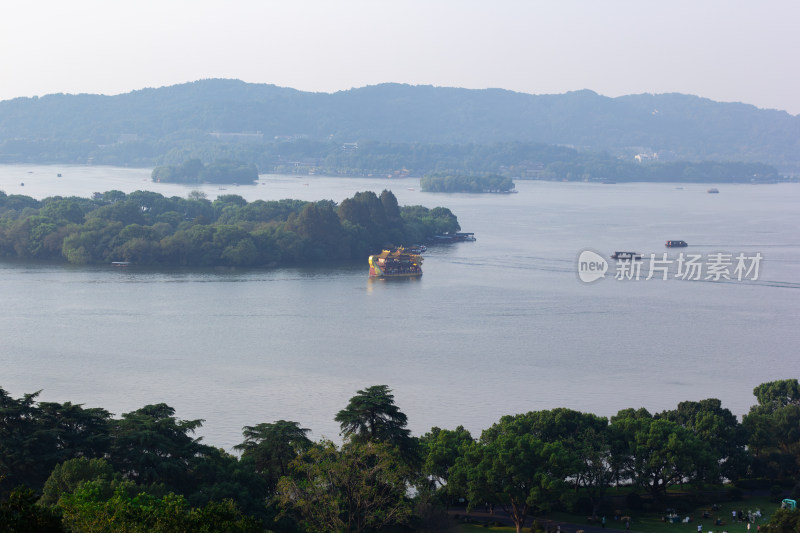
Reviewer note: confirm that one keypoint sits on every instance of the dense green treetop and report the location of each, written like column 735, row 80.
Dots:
column 360, row 486
column 783, row 521
column 87, row 510
column 773, row 429
column 151, row 445
column 36, row 436
column 371, row 415
column 777, row 394
column 21, row 513
column 69, row 475
column 272, row 446
column 515, row 468
column 441, row 448
column 719, row 429
column 659, row 453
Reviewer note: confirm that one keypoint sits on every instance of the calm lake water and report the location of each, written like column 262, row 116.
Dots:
column 498, row 326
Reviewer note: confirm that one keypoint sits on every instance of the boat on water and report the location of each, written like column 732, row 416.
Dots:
column 630, row 256
column 120, row 263
column 397, row 263
column 713, row 190
column 676, row 244
column 454, row 237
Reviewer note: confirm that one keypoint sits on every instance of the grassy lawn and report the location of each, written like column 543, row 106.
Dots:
column 651, row 522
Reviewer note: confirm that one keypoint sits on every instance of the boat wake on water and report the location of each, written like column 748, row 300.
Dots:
column 546, row 264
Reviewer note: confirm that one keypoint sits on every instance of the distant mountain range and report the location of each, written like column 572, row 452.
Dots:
column 160, row 121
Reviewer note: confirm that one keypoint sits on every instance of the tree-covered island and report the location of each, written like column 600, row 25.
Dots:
column 220, row 171
column 463, row 183
column 147, row 228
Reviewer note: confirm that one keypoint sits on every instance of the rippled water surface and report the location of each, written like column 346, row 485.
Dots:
column 498, row 326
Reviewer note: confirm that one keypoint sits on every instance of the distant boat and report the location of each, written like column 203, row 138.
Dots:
column 676, row 244
column 22, row 184
column 58, row 175
column 120, row 263
column 713, row 190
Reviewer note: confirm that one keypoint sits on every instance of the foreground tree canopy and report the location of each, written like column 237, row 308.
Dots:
column 358, row 487
column 64, row 467
column 147, row 228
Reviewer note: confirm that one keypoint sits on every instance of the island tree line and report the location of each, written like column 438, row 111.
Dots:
column 147, row 228
column 66, row 467
column 439, row 182
column 517, row 160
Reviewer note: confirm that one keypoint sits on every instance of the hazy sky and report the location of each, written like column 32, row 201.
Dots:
column 731, row 50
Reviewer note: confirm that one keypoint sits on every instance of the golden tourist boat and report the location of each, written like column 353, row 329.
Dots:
column 397, row 263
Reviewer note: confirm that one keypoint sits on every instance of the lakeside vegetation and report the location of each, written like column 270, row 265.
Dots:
column 147, row 228
column 194, row 171
column 66, row 467
column 516, row 160
column 473, row 184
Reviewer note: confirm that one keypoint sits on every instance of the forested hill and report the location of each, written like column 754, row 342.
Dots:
column 676, row 126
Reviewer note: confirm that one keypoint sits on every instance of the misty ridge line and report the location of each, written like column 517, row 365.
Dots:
column 153, row 124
